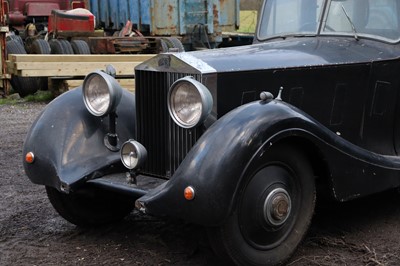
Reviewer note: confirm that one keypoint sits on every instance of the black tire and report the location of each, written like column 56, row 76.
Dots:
column 28, row 44
column 90, row 207
column 262, row 229
column 15, row 37
column 14, row 47
column 66, row 47
column 80, row 47
column 170, row 42
column 176, row 43
column 22, row 85
column 56, row 47
column 40, row 46
column 164, row 45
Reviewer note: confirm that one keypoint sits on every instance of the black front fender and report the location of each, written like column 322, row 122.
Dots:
column 68, row 142
column 217, row 163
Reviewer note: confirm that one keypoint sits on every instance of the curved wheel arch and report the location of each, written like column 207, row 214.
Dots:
column 326, row 151
column 49, row 169
column 308, row 148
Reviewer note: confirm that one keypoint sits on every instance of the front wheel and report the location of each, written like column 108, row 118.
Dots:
column 90, row 206
column 273, row 211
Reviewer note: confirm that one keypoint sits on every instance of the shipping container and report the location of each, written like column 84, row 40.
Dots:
column 201, row 21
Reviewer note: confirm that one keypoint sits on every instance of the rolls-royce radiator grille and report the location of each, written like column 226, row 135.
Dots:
column 167, row 144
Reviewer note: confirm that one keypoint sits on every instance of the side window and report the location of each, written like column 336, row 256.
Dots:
column 383, row 15
column 369, row 17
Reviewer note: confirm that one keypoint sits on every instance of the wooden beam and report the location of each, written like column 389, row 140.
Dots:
column 71, row 65
column 79, row 58
column 61, row 69
column 128, row 84
column 46, row 69
column 68, row 65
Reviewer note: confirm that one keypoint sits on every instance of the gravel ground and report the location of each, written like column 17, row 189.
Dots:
column 362, row 232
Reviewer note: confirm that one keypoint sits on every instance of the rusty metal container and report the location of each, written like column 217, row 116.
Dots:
column 193, row 20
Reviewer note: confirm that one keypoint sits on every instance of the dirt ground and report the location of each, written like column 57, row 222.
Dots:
column 362, row 232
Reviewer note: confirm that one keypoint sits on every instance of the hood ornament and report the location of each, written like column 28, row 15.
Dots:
column 267, row 96
column 279, row 97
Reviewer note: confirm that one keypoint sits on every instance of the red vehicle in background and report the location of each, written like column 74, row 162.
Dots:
column 29, row 32
column 122, row 27
column 23, row 12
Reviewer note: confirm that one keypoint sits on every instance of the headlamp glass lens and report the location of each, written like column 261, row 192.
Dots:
column 186, row 104
column 97, row 95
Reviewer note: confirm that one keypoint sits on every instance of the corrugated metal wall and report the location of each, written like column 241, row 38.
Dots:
column 167, row 17
column 113, row 14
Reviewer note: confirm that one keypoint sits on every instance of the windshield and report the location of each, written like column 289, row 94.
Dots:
column 358, row 18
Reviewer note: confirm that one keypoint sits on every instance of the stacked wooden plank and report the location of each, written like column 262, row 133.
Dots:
column 74, row 67
column 71, row 65
column 128, row 84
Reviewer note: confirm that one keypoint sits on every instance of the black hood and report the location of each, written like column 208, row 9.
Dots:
column 289, row 53
column 296, row 52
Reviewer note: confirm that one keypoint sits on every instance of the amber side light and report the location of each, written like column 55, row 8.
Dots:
column 188, row 193
column 29, row 157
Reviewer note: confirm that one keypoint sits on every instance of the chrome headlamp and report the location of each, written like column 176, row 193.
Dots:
column 133, row 154
column 189, row 102
column 101, row 93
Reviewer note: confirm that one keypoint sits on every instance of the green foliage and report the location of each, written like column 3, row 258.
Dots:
column 8, row 101
column 39, row 96
column 248, row 21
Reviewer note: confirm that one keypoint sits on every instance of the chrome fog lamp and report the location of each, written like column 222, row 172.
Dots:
column 101, row 93
column 133, row 154
column 189, row 102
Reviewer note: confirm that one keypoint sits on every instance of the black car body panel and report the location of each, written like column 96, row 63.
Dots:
column 68, row 142
column 335, row 80
column 217, row 163
column 297, row 52
column 241, row 139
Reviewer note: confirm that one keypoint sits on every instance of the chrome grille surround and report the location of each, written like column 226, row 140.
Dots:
column 167, row 144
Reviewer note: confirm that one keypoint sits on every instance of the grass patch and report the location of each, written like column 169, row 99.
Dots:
column 39, row 96
column 248, row 21
column 8, row 101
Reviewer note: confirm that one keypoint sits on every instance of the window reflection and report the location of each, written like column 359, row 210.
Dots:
column 368, row 18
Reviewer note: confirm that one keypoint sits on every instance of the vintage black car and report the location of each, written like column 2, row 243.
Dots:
column 241, row 140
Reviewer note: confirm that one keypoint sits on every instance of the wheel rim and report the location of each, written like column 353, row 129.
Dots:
column 277, row 207
column 269, row 207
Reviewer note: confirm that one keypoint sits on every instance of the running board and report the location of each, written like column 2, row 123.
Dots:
column 119, row 183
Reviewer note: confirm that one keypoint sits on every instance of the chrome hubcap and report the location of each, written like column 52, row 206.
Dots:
column 277, row 207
